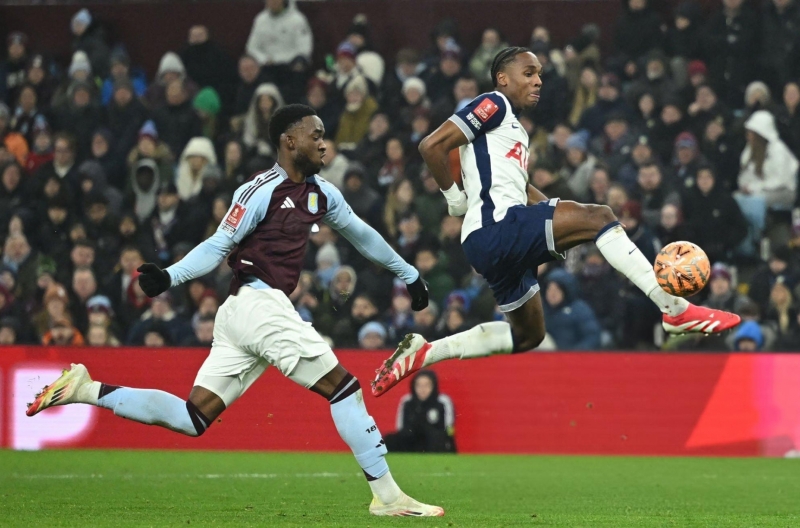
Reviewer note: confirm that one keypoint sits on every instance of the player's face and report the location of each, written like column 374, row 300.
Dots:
column 310, row 147
column 521, row 80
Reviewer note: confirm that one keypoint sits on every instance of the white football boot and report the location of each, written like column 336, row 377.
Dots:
column 405, row 506
column 62, row 391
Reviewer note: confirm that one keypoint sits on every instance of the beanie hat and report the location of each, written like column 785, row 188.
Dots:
column 83, row 17
column 697, row 67
column 149, row 130
column 207, row 100
column 686, row 140
column 414, row 83
column 373, row 327
column 119, row 55
column 579, row 140
column 346, row 49
column 45, row 265
column 80, row 62
column 99, row 303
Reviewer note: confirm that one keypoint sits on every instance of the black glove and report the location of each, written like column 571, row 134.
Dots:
column 153, row 280
column 419, row 294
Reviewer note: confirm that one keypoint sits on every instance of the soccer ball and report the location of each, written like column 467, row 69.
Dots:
column 682, row 269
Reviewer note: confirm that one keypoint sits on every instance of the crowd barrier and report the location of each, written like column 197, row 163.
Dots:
column 562, row 403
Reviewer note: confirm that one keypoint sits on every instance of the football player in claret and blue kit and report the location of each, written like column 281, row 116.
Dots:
column 265, row 233
column 510, row 228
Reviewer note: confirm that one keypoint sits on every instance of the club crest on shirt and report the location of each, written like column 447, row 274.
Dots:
column 485, row 110
column 231, row 222
column 313, row 202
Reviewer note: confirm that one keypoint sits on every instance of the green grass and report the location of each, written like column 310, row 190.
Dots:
column 138, row 488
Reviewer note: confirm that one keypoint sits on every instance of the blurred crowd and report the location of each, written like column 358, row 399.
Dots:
column 688, row 127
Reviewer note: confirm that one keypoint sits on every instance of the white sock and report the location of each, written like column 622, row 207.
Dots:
column 626, row 258
column 154, row 407
column 358, row 430
column 483, row 340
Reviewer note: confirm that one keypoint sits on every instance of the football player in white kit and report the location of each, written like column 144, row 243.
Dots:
column 510, row 228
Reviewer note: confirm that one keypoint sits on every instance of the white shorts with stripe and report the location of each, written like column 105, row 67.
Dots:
column 253, row 330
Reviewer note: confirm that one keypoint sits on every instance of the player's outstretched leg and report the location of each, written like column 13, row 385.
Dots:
column 414, row 352
column 575, row 223
column 147, row 406
column 358, row 430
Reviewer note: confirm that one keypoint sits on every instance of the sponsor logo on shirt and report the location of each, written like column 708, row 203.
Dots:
column 473, row 120
column 231, row 222
column 485, row 110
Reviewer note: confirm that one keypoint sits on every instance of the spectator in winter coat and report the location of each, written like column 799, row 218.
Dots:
column 177, row 122
column 63, row 333
column 355, row 119
column 722, row 294
column 579, row 165
column 608, row 102
column 326, row 107
column 372, row 336
column 602, row 289
column 780, row 47
column 62, row 167
column 365, row 201
column 653, row 192
column 731, row 50
column 149, row 146
column 481, row 61
column 769, row 169
column 407, row 65
column 545, row 178
column 780, row 268
column 170, row 69
column 121, row 72
column 335, row 165
column 12, row 68
column 197, row 159
column 671, row 227
column 749, row 337
column 615, row 143
column 791, row 111
column 14, row 142
column 91, row 39
column 281, row 41
column 250, row 78
column 638, row 30
column 425, row 419
column 687, row 159
column 208, row 64
column 552, row 107
column 715, row 216
column 570, row 321
column 684, row 34
column 440, row 283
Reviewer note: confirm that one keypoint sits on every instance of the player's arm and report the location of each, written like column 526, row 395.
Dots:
column 242, row 218
column 535, row 195
column 435, row 150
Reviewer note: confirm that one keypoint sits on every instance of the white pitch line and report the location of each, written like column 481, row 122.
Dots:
column 208, row 476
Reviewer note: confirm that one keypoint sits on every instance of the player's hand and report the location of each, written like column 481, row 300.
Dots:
column 418, row 290
column 456, row 201
column 153, row 280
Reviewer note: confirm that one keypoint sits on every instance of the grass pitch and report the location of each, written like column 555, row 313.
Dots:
column 145, row 488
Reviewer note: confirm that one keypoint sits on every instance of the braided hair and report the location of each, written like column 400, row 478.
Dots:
column 503, row 58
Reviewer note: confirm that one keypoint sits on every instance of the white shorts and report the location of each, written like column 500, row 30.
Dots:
column 253, row 330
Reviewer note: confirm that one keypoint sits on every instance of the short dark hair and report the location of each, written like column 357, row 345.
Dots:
column 286, row 117
column 504, row 58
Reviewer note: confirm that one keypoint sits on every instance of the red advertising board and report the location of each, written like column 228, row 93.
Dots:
column 569, row 403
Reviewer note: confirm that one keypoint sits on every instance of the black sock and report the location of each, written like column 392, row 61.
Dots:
column 345, row 388
column 105, row 390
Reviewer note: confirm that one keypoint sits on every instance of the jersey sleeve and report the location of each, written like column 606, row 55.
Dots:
column 339, row 213
column 249, row 207
column 483, row 114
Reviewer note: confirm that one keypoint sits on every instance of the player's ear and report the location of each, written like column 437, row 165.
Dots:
column 502, row 79
column 290, row 142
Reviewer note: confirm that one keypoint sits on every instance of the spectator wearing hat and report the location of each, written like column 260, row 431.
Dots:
column 121, row 72
column 346, row 69
column 12, row 68
column 414, row 100
column 93, row 178
column 331, row 302
column 208, row 64
column 687, row 159
column 683, row 39
column 45, row 277
column 208, row 105
column 718, row 223
column 731, row 45
column 326, row 107
column 111, row 161
column 81, row 116
column 722, row 292
column 671, row 122
column 266, row 100
column 101, row 227
column 637, row 31
column 407, row 65
column 281, row 41
column 38, row 74
column 480, row 63
column 80, row 71
column 10, row 331
column 609, row 101
column 63, row 333
column 203, row 334
column 197, row 159
column 125, row 115
column 170, row 69
column 355, row 119
column 160, row 314
column 101, row 313
column 425, row 419
column 149, row 146
column 372, row 336
column 440, row 81
column 546, row 178
column 90, row 38
column 14, row 142
column 656, row 79
column 579, row 164
column 696, row 75
column 749, row 337
column 781, row 267
column 399, row 318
